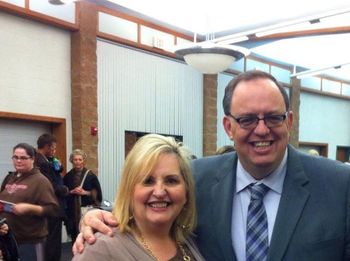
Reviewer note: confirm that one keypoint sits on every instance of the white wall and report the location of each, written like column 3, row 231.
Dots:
column 325, row 119
column 141, row 92
column 35, row 70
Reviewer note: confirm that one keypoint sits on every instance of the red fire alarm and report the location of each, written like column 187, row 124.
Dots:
column 93, row 131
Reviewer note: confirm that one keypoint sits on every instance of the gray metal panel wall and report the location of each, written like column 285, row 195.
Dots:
column 141, row 92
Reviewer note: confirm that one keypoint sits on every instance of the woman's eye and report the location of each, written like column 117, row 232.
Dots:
column 172, row 180
column 148, row 181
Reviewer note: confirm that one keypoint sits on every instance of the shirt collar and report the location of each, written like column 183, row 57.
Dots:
column 274, row 181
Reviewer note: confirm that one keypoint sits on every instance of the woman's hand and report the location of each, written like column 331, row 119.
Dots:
column 94, row 220
column 21, row 209
column 80, row 191
column 4, row 229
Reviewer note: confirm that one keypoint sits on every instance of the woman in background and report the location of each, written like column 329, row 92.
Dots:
column 84, row 190
column 33, row 200
column 155, row 207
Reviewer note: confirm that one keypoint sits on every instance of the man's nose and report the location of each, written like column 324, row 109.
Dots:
column 261, row 128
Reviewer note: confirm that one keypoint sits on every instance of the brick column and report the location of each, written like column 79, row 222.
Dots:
column 295, row 107
column 84, row 83
column 210, row 82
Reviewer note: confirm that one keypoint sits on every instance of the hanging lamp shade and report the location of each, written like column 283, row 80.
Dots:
column 211, row 58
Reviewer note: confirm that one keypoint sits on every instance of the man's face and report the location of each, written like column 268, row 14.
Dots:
column 260, row 149
column 50, row 150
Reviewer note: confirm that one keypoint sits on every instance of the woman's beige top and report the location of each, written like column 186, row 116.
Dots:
column 124, row 247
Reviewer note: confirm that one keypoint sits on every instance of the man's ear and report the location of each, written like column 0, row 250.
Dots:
column 290, row 118
column 226, row 121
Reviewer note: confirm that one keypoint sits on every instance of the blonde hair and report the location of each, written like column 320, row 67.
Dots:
column 77, row 152
column 313, row 152
column 142, row 159
column 225, row 149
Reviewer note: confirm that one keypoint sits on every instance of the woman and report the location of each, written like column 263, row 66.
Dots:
column 8, row 244
column 33, row 200
column 84, row 190
column 155, row 206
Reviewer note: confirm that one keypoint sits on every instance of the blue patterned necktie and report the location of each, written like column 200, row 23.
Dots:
column 257, row 243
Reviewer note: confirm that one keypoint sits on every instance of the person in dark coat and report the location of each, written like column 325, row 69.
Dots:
column 84, row 190
column 44, row 161
column 8, row 243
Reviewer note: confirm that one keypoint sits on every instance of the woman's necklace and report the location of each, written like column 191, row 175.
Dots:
column 150, row 252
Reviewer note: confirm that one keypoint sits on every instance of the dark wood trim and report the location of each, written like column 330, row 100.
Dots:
column 58, row 129
column 77, row 19
column 20, row 116
column 139, row 34
column 343, row 153
column 46, row 19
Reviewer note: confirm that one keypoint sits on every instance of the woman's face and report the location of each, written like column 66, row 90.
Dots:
column 159, row 199
column 78, row 162
column 22, row 161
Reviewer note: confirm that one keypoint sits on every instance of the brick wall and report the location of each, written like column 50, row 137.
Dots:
column 209, row 114
column 84, row 83
column 295, row 107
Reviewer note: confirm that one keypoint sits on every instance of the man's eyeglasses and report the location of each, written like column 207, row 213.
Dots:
column 14, row 157
column 251, row 121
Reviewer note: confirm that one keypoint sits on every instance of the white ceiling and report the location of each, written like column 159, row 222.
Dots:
column 230, row 17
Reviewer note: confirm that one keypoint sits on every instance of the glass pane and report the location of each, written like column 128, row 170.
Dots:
column 256, row 65
column 281, row 74
column 331, row 86
column 346, row 89
column 311, row 83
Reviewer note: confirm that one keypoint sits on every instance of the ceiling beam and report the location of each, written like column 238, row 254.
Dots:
column 302, row 33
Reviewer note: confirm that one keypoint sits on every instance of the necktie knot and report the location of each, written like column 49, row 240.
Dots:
column 257, row 192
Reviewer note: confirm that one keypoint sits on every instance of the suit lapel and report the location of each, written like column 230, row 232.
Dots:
column 222, row 193
column 293, row 199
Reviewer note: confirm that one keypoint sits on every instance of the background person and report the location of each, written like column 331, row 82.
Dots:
column 84, row 190
column 34, row 200
column 225, row 149
column 313, row 152
column 155, row 206
column 303, row 202
column 8, row 244
column 44, row 161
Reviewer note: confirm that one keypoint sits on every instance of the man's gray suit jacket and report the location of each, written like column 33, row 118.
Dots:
column 313, row 218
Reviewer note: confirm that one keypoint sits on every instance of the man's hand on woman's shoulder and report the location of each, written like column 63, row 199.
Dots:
column 94, row 220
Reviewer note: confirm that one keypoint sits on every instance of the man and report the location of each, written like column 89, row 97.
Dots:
column 303, row 209
column 43, row 160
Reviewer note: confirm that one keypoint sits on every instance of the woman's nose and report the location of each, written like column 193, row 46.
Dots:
column 159, row 190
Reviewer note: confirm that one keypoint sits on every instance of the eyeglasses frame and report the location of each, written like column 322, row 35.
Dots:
column 14, row 157
column 238, row 119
